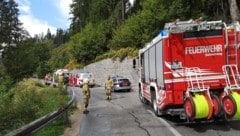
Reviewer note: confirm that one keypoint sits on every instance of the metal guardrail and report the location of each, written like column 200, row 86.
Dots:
column 33, row 127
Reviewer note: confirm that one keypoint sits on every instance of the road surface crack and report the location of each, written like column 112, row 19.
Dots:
column 139, row 123
column 135, row 118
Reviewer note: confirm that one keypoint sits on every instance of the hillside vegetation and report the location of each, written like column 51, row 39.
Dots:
column 28, row 100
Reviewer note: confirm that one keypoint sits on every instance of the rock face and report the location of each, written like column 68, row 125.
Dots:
column 106, row 67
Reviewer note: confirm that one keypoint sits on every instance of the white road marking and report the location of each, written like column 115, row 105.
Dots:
column 174, row 131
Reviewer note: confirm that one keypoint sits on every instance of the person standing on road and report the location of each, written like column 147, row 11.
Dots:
column 66, row 79
column 134, row 63
column 60, row 79
column 86, row 95
column 108, row 87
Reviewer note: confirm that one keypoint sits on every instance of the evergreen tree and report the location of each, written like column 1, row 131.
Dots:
column 61, row 37
column 48, row 35
column 79, row 10
column 11, row 31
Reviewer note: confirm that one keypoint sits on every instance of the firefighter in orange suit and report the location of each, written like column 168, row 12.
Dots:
column 86, row 95
column 109, row 87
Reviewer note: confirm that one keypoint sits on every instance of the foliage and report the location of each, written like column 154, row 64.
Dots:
column 59, row 57
column 100, row 10
column 79, row 10
column 61, row 37
column 73, row 64
column 5, row 82
column 121, row 54
column 11, row 30
column 90, row 11
column 88, row 44
column 30, row 100
column 97, row 27
column 24, row 59
column 56, row 128
column 139, row 28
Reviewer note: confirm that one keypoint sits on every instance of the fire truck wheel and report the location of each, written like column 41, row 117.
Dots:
column 189, row 108
column 154, row 104
column 216, row 106
column 141, row 97
column 229, row 105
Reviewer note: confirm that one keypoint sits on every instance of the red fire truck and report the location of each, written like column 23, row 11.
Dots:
column 191, row 69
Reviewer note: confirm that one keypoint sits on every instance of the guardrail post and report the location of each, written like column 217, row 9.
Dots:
column 65, row 117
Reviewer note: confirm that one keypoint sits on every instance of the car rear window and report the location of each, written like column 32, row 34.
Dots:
column 124, row 80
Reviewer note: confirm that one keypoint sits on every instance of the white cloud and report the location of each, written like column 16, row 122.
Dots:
column 32, row 24
column 64, row 8
column 25, row 9
column 35, row 26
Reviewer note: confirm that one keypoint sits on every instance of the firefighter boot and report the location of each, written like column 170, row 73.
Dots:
column 85, row 111
column 109, row 97
column 107, row 93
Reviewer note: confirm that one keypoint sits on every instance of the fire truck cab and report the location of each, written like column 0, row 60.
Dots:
column 191, row 69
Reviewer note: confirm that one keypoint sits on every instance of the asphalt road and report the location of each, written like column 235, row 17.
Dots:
column 125, row 115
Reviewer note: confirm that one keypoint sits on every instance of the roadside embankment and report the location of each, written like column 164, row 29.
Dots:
column 103, row 68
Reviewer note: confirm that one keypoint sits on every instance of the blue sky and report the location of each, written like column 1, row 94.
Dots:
column 39, row 15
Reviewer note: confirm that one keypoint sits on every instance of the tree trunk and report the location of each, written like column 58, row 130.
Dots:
column 234, row 11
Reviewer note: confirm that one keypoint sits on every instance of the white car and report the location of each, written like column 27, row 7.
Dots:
column 91, row 80
column 85, row 76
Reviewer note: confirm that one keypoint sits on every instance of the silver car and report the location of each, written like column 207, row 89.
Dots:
column 121, row 83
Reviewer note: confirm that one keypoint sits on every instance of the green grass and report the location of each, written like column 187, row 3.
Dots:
column 29, row 101
column 55, row 128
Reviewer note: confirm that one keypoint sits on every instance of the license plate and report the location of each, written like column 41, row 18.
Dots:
column 125, row 84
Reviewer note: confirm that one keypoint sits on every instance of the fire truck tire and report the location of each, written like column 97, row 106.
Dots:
column 217, row 107
column 141, row 97
column 189, row 108
column 154, row 104
column 229, row 106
